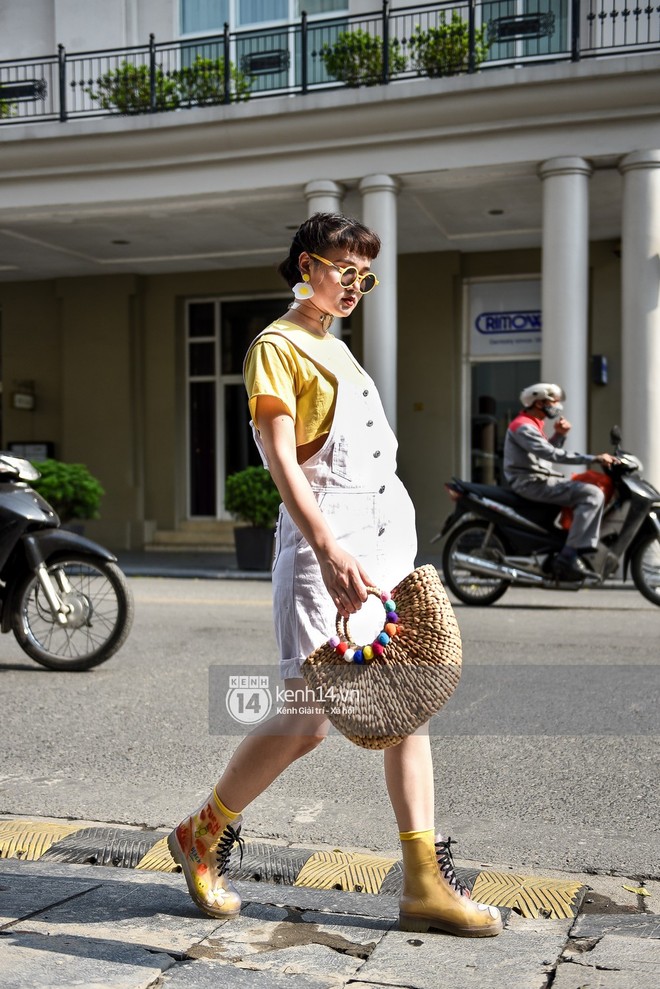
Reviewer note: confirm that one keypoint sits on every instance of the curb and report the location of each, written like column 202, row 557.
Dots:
column 106, row 845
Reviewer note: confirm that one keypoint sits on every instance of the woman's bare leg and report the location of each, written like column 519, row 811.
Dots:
column 409, row 778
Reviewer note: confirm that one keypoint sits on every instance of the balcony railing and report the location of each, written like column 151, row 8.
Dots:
column 386, row 46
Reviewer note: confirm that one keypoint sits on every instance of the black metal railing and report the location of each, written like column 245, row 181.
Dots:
column 387, row 45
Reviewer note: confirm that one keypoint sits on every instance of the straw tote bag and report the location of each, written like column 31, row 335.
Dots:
column 378, row 694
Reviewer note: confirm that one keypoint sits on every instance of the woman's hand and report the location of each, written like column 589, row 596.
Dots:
column 345, row 580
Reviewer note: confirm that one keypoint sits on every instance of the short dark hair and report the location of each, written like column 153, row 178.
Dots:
column 328, row 230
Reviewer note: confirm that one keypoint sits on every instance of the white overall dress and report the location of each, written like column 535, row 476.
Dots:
column 353, row 477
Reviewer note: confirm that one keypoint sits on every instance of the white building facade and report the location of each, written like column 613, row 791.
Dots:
column 518, row 205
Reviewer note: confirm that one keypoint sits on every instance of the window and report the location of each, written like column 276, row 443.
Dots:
column 198, row 16
column 218, row 334
column 321, row 6
column 258, row 11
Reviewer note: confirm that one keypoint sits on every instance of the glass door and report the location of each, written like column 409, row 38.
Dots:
column 218, row 334
column 495, row 388
column 502, row 353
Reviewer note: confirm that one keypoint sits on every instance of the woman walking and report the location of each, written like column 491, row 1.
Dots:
column 346, row 522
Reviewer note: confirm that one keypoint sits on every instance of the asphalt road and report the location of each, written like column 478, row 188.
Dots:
column 546, row 756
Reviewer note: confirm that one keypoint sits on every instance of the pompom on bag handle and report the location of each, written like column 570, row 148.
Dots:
column 409, row 671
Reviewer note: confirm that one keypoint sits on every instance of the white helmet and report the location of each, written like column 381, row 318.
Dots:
column 543, row 390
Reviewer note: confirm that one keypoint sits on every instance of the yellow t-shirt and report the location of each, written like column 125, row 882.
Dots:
column 274, row 366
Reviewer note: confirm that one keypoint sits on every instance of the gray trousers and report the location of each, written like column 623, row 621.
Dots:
column 586, row 500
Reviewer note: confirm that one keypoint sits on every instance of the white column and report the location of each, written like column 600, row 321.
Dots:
column 323, row 196
column 564, row 357
column 640, row 326
column 379, row 194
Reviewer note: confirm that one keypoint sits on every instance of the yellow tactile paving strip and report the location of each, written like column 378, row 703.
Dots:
column 344, row 870
column 158, row 858
column 30, row 839
column 530, row 896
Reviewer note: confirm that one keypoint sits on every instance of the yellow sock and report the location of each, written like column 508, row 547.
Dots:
column 231, row 815
column 409, row 835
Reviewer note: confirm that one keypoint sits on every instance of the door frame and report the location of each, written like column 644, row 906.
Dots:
column 220, row 382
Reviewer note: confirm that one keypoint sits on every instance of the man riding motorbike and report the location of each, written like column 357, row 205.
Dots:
column 528, row 460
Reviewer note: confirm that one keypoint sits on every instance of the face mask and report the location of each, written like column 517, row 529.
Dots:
column 553, row 411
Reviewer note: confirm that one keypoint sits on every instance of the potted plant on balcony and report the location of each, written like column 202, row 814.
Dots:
column 356, row 58
column 128, row 89
column 70, row 489
column 251, row 496
column 203, row 82
column 445, row 50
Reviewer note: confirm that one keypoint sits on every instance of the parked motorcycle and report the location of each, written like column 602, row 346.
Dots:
column 63, row 596
column 496, row 539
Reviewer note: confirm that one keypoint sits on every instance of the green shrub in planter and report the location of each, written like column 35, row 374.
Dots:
column 356, row 58
column 444, row 50
column 7, row 109
column 128, row 89
column 252, row 497
column 203, row 82
column 69, row 489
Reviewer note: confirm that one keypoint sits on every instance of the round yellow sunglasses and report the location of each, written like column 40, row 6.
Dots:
column 350, row 275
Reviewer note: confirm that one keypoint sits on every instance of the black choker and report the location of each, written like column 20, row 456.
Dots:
column 322, row 318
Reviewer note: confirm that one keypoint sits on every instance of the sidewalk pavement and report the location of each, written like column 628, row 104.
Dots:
column 65, row 924
column 201, row 564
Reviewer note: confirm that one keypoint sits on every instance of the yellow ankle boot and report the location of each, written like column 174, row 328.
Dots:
column 433, row 897
column 202, row 845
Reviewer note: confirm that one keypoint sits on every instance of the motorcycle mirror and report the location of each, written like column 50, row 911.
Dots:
column 615, row 435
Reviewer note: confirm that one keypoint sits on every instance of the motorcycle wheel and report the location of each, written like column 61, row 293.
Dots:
column 645, row 569
column 100, row 620
column 472, row 588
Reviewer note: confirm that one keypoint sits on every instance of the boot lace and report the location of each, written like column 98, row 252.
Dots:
column 230, row 836
column 445, row 862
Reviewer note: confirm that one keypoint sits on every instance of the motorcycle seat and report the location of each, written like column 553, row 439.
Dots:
column 535, row 511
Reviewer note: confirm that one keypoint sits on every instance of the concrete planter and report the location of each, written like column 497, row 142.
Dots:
column 254, row 547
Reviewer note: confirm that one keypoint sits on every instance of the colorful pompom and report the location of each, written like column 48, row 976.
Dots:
column 390, row 605
column 334, row 641
column 391, row 629
column 378, row 650
column 392, row 617
column 368, row 653
column 383, row 638
column 348, row 655
column 358, row 657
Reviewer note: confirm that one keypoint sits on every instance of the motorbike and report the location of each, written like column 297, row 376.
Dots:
column 496, row 539
column 63, row 596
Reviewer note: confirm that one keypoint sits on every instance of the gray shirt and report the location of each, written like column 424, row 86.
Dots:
column 529, row 454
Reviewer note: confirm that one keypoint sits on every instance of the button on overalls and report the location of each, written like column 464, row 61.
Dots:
column 368, row 510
